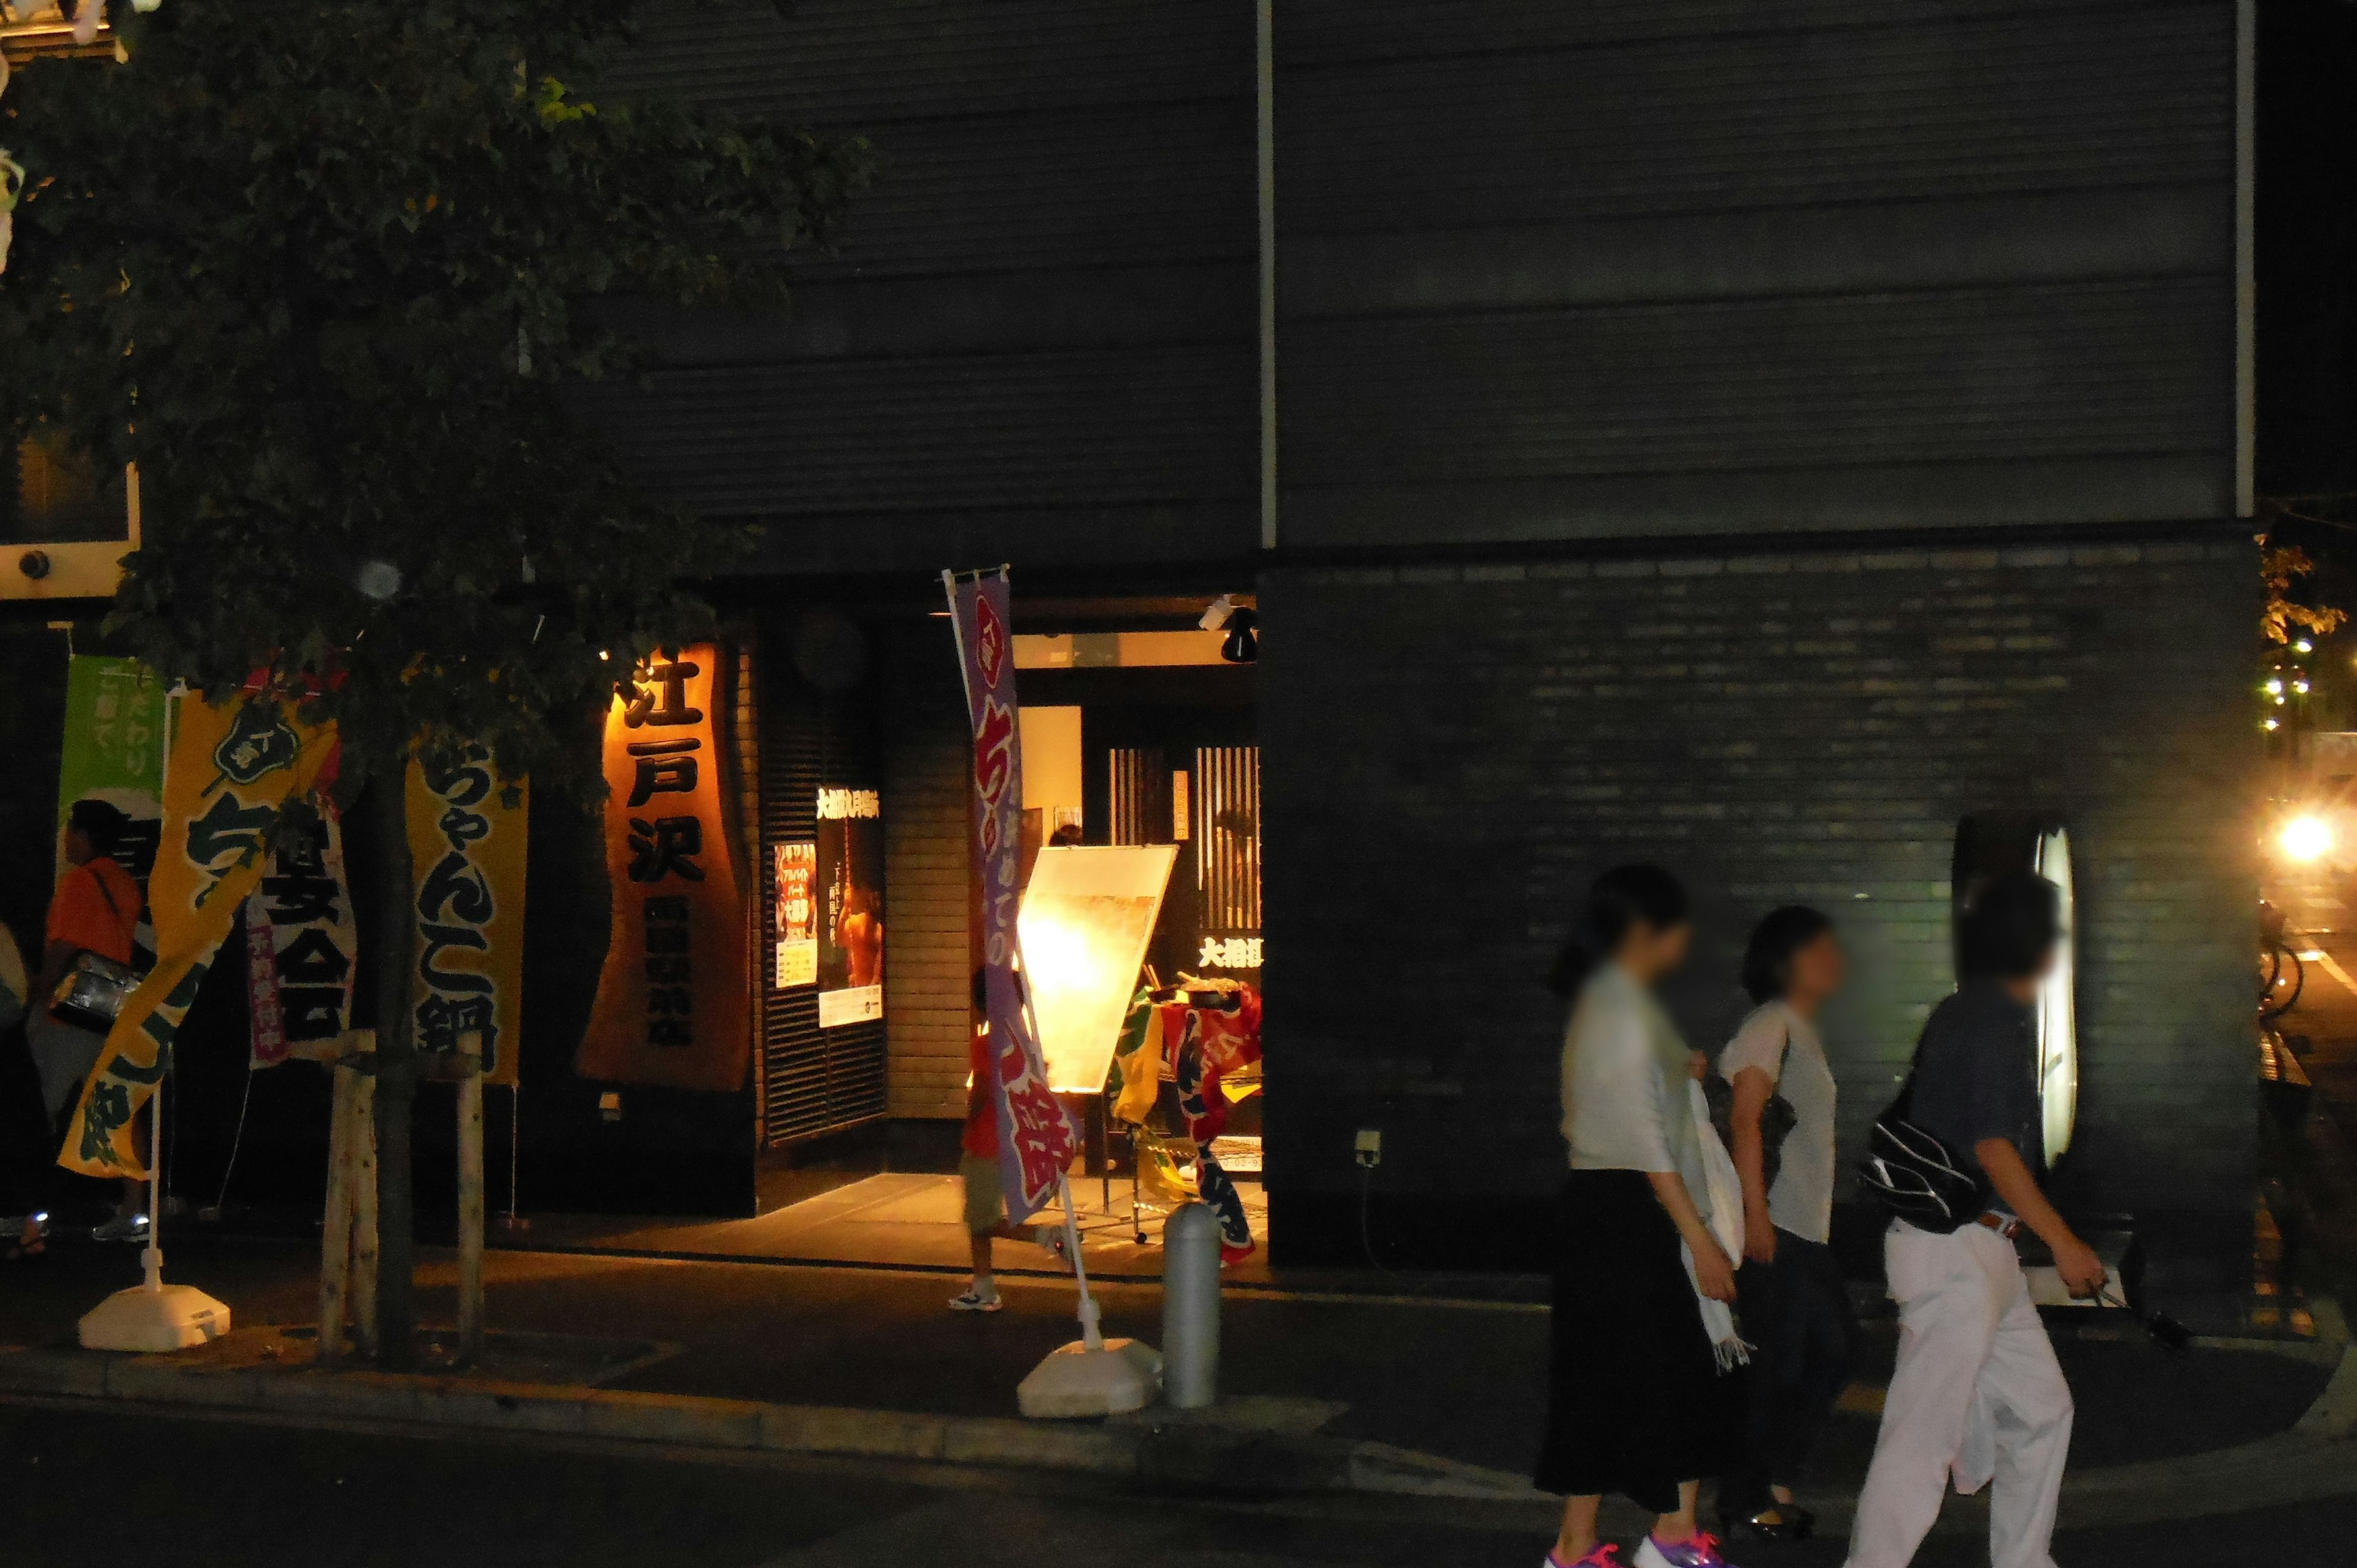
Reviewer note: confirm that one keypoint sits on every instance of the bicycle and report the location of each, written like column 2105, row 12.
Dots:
column 2282, row 975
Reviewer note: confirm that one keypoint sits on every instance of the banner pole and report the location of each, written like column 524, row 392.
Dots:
column 155, row 1259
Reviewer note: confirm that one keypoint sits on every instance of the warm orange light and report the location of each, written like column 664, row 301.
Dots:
column 2306, row 837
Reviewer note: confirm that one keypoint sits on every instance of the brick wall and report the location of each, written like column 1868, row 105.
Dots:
column 1452, row 753
column 928, row 971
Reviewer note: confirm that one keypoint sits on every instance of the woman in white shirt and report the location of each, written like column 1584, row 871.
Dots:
column 1639, row 1401
column 1796, row 1305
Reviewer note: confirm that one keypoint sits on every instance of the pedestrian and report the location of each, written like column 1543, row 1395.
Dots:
column 95, row 910
column 985, row 1204
column 23, row 1237
column 1643, row 1399
column 1794, row 1306
column 1978, row 1394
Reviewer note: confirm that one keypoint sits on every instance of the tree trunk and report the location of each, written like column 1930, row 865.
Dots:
column 396, row 1065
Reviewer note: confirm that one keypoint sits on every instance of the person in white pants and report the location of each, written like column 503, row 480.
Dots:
column 1977, row 1395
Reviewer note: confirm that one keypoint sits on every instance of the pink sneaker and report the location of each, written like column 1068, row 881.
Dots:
column 1702, row 1552
column 1601, row 1555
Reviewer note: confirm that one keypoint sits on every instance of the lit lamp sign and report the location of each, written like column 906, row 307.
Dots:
column 1994, row 844
column 2058, row 1022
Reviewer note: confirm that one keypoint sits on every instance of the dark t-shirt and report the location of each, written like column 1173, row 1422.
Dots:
column 1977, row 1072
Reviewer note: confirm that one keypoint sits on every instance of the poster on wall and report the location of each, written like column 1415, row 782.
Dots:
column 233, row 770
column 114, row 751
column 794, row 868
column 850, row 875
column 301, row 947
column 466, row 849
column 672, row 1003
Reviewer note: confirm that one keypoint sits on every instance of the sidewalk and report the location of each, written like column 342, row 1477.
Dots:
column 1322, row 1391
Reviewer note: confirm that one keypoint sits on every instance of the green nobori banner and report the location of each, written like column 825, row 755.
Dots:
column 114, row 751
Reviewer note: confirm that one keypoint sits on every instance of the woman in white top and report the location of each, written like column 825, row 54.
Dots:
column 1639, row 1403
column 1795, row 1306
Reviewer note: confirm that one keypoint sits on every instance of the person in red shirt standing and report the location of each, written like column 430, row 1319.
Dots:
column 95, row 910
column 986, row 1206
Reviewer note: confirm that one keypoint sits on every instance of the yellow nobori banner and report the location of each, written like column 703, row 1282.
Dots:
column 465, row 850
column 232, row 769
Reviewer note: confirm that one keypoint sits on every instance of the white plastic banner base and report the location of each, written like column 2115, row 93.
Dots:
column 153, row 1318
column 1117, row 1377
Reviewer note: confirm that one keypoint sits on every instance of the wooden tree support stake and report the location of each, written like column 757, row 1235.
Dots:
column 347, row 1244
column 470, row 1202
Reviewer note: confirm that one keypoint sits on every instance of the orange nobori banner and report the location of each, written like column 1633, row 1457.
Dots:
column 673, row 999
column 232, row 770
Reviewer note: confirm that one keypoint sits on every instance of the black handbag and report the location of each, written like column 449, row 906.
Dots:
column 1915, row 1176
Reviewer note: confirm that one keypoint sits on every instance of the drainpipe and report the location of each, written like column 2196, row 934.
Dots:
column 1264, row 92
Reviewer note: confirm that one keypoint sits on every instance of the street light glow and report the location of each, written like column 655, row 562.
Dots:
column 2306, row 837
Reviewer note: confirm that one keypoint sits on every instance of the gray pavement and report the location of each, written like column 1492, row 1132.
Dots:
column 87, row 1487
column 1460, row 1380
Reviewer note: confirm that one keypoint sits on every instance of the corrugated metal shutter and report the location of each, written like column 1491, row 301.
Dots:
column 813, row 1080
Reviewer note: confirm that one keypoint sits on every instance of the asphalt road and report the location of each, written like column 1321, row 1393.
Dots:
column 88, row 1487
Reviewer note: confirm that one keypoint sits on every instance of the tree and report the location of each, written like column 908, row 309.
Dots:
column 324, row 269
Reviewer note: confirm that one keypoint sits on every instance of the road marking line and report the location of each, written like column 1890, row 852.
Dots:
column 2331, row 967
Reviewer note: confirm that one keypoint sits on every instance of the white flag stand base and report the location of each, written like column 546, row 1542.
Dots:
column 1092, row 1375
column 153, row 1316
column 1116, row 1377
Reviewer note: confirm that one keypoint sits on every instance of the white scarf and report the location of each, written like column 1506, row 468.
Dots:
column 1722, row 1208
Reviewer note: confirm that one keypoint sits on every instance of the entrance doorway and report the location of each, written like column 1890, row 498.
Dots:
column 1159, row 733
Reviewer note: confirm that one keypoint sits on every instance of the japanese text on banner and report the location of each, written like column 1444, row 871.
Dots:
column 1036, row 1137
column 301, row 946
column 673, row 996
column 467, row 851
column 233, row 771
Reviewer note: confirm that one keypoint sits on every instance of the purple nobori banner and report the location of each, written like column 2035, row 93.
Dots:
column 1036, row 1138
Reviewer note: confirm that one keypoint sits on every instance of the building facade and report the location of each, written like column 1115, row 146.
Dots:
column 1748, row 435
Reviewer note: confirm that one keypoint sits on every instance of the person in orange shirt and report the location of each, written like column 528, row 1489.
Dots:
column 95, row 910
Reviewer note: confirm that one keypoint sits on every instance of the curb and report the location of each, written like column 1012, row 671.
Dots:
column 1154, row 1449
column 1159, row 1449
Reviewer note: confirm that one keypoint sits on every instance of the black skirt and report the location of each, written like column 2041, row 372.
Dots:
column 1636, row 1401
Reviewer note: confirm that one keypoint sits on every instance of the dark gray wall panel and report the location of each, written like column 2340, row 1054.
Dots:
column 1138, row 185
column 1140, row 427
column 857, row 64
column 2049, row 100
column 2049, row 236
column 1325, row 32
column 1943, row 376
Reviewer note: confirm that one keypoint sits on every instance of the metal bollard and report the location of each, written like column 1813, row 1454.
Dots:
column 1190, row 1307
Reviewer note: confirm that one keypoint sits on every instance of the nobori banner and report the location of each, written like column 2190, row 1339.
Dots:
column 467, row 851
column 673, row 998
column 1036, row 1138
column 234, row 770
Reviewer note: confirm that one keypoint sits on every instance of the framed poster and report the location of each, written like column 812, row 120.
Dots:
column 796, row 876
column 850, row 908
